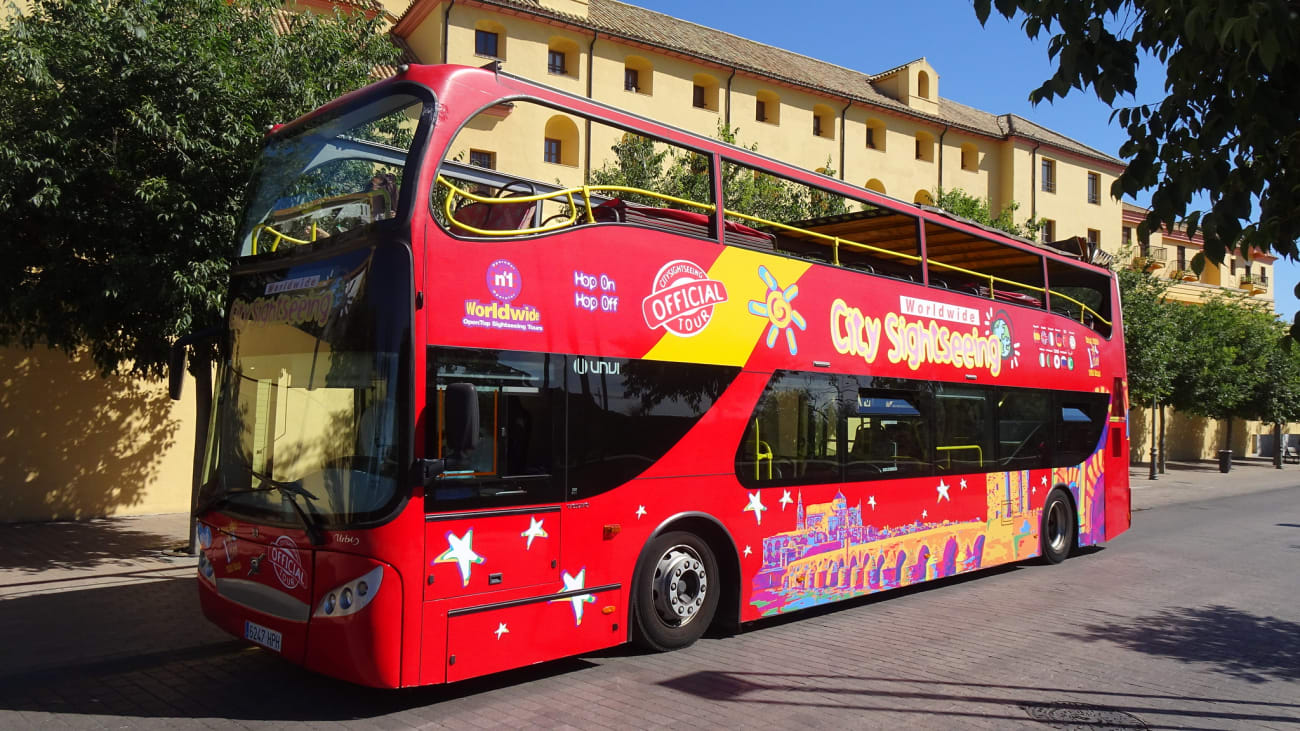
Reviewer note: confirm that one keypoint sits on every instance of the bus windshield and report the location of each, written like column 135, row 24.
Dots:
column 336, row 175
column 307, row 407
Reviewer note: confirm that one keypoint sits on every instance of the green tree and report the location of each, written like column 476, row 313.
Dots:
column 1152, row 336
column 1226, row 126
column 128, row 132
column 1224, row 358
column 980, row 210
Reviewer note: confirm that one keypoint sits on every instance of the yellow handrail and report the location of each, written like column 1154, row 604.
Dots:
column 280, row 236
column 762, row 451
column 957, row 447
column 585, row 192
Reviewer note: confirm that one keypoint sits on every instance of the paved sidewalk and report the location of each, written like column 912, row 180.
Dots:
column 1185, row 482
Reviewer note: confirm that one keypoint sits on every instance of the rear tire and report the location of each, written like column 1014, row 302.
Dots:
column 676, row 594
column 1057, row 533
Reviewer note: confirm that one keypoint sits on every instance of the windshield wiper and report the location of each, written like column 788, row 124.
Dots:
column 291, row 489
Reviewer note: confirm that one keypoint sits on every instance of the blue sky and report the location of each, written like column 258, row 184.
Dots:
column 991, row 68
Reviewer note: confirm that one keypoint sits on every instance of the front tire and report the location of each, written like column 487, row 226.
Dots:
column 1056, row 537
column 677, row 592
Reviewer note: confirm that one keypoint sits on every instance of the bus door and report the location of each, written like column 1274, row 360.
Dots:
column 493, row 520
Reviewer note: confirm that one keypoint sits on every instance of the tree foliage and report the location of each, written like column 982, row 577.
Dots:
column 1225, row 351
column 1152, row 337
column 980, row 210
column 1226, row 127
column 128, row 132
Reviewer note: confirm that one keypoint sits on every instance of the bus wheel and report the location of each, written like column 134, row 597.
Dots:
column 676, row 594
column 1059, row 524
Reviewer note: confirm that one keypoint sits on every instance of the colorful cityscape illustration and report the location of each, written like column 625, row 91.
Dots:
column 831, row 554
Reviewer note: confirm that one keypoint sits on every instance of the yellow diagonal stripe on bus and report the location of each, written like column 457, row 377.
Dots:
column 734, row 331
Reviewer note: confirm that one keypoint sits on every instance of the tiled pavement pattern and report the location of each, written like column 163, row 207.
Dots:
column 1188, row 621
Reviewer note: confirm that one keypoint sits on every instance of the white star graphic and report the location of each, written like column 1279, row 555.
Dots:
column 534, row 531
column 1044, row 480
column 640, row 511
column 963, row 483
column 748, row 550
column 943, row 491
column 501, row 630
column 460, row 551
column 573, row 583
column 785, row 499
column 872, row 502
column 924, row 513
column 756, row 506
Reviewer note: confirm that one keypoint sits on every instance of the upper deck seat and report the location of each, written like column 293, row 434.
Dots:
column 496, row 216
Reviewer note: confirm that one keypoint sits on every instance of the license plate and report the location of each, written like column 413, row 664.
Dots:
column 263, row 636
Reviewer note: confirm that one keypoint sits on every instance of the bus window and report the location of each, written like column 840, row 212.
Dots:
column 888, row 435
column 1080, row 420
column 520, row 169
column 512, row 455
column 963, row 429
column 821, row 225
column 1024, row 429
column 1081, row 295
column 341, row 174
column 793, row 436
column 625, row 414
column 976, row 265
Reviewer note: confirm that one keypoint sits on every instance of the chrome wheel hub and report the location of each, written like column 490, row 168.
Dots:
column 1058, row 530
column 680, row 584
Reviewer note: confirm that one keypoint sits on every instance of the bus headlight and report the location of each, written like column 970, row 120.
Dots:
column 351, row 597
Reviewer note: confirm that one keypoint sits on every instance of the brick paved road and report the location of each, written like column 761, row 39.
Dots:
column 1188, row 621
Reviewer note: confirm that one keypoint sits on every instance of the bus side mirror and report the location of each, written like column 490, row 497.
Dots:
column 428, row 470
column 176, row 370
column 461, row 418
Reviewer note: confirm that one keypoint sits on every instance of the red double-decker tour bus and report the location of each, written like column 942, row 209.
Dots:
column 511, row 375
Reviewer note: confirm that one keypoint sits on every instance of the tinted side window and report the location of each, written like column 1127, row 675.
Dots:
column 793, row 436
column 1080, row 420
column 889, row 435
column 626, row 414
column 963, row 429
column 497, row 426
column 1024, row 429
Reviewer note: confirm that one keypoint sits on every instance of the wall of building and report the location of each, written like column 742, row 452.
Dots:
column 1194, row 438
column 75, row 445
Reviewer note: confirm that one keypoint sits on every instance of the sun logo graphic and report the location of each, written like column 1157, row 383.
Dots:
column 780, row 315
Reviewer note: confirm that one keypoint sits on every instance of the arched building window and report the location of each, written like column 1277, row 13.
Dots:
column 923, row 85
column 489, row 39
column 705, row 92
column 560, row 146
column 923, row 197
column 767, row 107
column 875, row 185
column 925, row 147
column 638, row 75
column 562, row 56
column 823, row 121
column 875, row 135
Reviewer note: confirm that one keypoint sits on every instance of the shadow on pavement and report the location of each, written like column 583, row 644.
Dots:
column 144, row 650
column 1227, row 640
column 936, row 698
column 30, row 548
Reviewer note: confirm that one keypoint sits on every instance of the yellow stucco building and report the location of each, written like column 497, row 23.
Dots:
column 75, row 446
